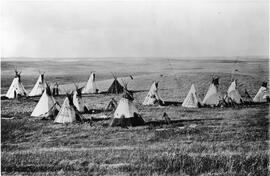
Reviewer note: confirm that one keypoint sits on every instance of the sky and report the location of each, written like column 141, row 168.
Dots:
column 136, row 28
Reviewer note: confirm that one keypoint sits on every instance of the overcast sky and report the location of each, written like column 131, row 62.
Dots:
column 135, row 28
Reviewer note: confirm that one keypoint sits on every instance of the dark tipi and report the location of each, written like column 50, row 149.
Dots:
column 116, row 87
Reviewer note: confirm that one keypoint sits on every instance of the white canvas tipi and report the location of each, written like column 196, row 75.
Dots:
column 91, row 86
column 77, row 100
column 125, row 108
column 68, row 112
column 153, row 95
column 213, row 96
column 16, row 88
column 263, row 95
column 126, row 114
column 233, row 93
column 39, row 86
column 45, row 104
column 191, row 100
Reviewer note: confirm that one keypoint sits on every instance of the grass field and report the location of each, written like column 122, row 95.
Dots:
column 206, row 141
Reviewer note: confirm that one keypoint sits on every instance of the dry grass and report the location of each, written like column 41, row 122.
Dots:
column 218, row 141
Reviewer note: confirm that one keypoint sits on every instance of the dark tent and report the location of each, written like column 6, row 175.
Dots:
column 116, row 87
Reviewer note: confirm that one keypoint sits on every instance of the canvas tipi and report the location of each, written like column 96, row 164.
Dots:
column 91, row 86
column 263, row 95
column 78, row 101
column 16, row 88
column 68, row 112
column 46, row 104
column 126, row 114
column 233, row 93
column 192, row 100
column 115, row 87
column 39, row 86
column 153, row 95
column 213, row 96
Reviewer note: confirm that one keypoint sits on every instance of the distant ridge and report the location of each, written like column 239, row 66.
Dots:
column 69, row 59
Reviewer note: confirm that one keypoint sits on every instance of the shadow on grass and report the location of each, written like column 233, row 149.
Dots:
column 179, row 122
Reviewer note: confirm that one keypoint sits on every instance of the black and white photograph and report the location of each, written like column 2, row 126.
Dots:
column 135, row 87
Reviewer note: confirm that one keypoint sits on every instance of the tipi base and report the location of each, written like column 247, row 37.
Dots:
column 124, row 122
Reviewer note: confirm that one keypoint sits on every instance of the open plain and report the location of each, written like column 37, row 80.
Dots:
column 204, row 141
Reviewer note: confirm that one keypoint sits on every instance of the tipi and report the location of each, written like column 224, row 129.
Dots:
column 16, row 88
column 192, row 100
column 126, row 114
column 115, row 87
column 112, row 105
column 263, row 95
column 233, row 93
column 213, row 96
column 78, row 101
column 153, row 95
column 46, row 104
column 91, row 86
column 68, row 112
column 39, row 86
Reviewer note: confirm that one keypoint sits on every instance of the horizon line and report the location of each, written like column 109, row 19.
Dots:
column 115, row 57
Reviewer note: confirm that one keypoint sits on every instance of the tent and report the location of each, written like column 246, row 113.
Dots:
column 39, row 86
column 46, row 105
column 153, row 95
column 68, row 112
column 112, row 105
column 213, row 96
column 16, row 88
column 263, row 95
column 233, row 93
column 115, row 87
column 78, row 101
column 192, row 100
column 126, row 114
column 91, row 86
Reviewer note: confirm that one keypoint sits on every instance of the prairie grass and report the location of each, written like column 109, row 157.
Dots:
column 206, row 141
